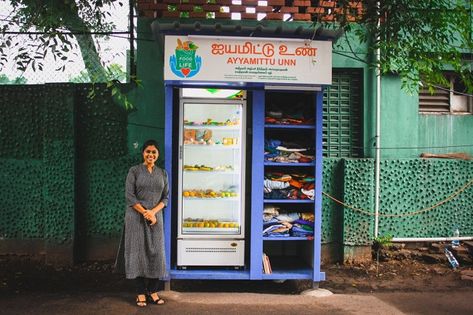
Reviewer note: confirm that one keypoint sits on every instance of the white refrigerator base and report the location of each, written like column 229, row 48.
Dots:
column 210, row 253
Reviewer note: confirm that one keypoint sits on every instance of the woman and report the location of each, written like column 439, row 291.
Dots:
column 142, row 245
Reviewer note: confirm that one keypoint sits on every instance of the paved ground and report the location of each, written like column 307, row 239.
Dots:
column 242, row 303
column 397, row 287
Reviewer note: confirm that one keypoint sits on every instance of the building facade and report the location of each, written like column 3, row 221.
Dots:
column 64, row 157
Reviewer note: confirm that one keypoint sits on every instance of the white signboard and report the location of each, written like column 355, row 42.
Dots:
column 246, row 59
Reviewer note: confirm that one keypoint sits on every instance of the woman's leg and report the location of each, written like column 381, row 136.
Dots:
column 140, row 285
column 153, row 285
column 153, row 291
column 140, row 291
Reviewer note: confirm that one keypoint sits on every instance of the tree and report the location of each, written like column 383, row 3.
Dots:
column 51, row 25
column 417, row 40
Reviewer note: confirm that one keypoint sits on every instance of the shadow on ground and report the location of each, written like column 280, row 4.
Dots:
column 400, row 270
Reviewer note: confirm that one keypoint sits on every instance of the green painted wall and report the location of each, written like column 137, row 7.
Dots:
column 63, row 160
column 332, row 213
column 358, row 189
column 445, row 133
column 405, row 133
column 147, row 120
column 37, row 157
column 102, row 163
column 70, row 180
column 349, row 54
column 399, row 120
column 409, row 187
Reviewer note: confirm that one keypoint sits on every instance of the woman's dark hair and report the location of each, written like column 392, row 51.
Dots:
column 148, row 143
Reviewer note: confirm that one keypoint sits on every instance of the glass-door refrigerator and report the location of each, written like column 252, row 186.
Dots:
column 211, row 176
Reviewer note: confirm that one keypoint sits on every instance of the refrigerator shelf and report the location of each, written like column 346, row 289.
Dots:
column 232, row 199
column 210, row 230
column 212, row 172
column 277, row 126
column 230, row 127
column 211, row 146
column 289, row 238
column 288, row 201
column 288, row 164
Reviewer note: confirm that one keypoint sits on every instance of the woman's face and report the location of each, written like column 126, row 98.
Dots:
column 150, row 154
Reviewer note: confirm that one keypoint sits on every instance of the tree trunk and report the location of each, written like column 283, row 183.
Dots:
column 89, row 52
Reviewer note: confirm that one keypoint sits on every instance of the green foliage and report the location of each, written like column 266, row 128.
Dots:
column 51, row 27
column 62, row 28
column 417, row 39
column 114, row 72
column 379, row 243
column 115, row 75
column 382, row 241
column 18, row 80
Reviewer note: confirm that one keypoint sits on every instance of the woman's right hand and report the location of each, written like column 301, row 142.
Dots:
column 152, row 221
column 150, row 216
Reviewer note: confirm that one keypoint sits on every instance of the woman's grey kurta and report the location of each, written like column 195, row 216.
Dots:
column 143, row 244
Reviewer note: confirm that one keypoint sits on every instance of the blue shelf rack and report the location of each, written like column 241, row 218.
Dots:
column 285, row 270
column 253, row 269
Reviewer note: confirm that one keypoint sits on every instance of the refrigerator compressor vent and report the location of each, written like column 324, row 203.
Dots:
column 210, row 250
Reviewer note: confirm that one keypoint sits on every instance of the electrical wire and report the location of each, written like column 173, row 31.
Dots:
column 450, row 90
column 355, row 147
column 115, row 34
column 365, row 62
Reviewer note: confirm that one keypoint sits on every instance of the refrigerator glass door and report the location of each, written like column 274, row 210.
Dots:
column 211, row 168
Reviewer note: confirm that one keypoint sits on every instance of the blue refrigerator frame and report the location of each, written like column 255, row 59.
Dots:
column 254, row 271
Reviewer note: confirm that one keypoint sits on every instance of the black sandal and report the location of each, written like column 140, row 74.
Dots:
column 158, row 300
column 141, row 302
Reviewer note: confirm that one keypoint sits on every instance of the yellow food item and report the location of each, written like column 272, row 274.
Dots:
column 186, row 194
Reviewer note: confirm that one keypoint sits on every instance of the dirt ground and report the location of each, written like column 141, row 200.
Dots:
column 400, row 268
column 424, row 269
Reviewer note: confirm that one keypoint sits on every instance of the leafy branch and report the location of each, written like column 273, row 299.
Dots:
column 417, row 40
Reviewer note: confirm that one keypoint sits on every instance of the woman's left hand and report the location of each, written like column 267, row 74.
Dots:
column 149, row 215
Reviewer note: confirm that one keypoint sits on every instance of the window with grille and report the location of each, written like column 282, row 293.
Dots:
column 342, row 115
column 452, row 99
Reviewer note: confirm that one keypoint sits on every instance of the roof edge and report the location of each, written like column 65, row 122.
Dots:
column 179, row 27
